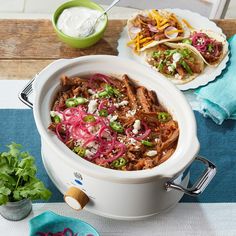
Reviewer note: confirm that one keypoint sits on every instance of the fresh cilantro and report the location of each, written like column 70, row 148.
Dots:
column 17, row 177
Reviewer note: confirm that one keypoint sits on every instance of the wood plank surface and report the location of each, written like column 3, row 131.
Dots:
column 36, row 39
column 27, row 46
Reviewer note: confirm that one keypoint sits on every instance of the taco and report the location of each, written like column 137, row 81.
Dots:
column 176, row 62
column 151, row 27
column 211, row 46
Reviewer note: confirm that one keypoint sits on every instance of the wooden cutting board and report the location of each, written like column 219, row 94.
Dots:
column 27, row 46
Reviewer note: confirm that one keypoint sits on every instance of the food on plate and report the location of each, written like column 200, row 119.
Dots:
column 151, row 27
column 114, row 123
column 177, row 62
column 211, row 46
column 65, row 232
column 79, row 21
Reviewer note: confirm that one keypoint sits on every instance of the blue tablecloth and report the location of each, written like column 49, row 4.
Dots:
column 218, row 144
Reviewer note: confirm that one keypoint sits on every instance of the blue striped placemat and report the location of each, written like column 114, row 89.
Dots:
column 218, row 144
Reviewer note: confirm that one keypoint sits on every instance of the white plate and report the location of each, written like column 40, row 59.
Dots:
column 198, row 22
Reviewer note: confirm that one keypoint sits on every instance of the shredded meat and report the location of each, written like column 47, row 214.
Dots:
column 144, row 99
column 130, row 92
column 138, row 115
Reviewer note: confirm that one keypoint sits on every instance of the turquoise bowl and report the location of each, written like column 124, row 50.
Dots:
column 73, row 41
column 51, row 222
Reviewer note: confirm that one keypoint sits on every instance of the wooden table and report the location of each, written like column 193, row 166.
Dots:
column 26, row 46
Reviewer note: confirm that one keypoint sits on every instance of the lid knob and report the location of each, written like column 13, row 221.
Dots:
column 76, row 198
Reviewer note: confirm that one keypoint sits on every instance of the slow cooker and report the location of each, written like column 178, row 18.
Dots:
column 112, row 193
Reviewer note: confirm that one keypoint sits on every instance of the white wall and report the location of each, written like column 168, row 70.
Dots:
column 48, row 6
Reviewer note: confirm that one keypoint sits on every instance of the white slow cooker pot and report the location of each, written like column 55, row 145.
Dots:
column 112, row 193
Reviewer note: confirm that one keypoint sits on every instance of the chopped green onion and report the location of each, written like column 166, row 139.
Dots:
column 109, row 91
column 89, row 118
column 71, row 102
column 186, row 67
column 103, row 94
column 56, row 119
column 116, row 126
column 163, row 117
column 185, row 53
column 156, row 54
column 80, row 151
column 210, row 47
column 187, row 41
column 121, row 161
column 81, row 100
column 160, row 65
column 116, row 92
column 147, row 143
column 103, row 112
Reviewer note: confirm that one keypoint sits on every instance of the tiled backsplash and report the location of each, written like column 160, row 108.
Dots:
column 48, row 6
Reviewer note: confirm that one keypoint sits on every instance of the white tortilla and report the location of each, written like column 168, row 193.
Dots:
column 132, row 31
column 218, row 37
column 147, row 54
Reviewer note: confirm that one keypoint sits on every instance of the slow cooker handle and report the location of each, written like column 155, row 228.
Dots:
column 201, row 183
column 24, row 94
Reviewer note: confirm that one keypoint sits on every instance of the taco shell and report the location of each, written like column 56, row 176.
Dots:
column 147, row 55
column 134, row 30
column 219, row 38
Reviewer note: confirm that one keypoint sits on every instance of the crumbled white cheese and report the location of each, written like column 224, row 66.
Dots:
column 90, row 91
column 177, row 76
column 120, row 104
column 136, row 126
column 130, row 113
column 151, row 153
column 157, row 140
column 55, row 113
column 176, row 57
column 170, row 68
column 112, row 118
column 132, row 141
column 92, row 106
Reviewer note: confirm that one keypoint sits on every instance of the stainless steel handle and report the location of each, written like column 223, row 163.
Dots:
column 200, row 184
column 24, row 94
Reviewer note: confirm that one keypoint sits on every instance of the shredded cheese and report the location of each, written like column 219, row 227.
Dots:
column 174, row 31
column 188, row 25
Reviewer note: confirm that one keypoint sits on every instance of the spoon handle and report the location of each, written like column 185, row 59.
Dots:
column 112, row 4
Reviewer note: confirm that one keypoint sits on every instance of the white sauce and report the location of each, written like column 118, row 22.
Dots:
column 79, row 21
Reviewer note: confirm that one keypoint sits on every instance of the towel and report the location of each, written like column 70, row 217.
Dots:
column 218, row 99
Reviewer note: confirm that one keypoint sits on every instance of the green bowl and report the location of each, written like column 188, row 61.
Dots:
column 73, row 41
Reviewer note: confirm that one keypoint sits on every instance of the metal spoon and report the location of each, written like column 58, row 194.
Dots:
column 92, row 29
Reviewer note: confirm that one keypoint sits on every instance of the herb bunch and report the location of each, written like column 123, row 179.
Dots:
column 17, row 177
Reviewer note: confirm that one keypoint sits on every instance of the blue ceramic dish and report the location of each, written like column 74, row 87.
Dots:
column 51, row 222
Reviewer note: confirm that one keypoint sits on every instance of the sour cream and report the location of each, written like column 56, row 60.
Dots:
column 79, row 21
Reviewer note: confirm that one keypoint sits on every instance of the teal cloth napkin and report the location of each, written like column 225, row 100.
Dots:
column 218, row 99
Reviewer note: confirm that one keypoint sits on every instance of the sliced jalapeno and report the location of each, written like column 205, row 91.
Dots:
column 116, row 126
column 186, row 67
column 80, row 151
column 163, row 117
column 121, row 161
column 147, row 143
column 72, row 102
column 81, row 100
column 56, row 119
column 103, row 94
column 103, row 112
column 89, row 118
